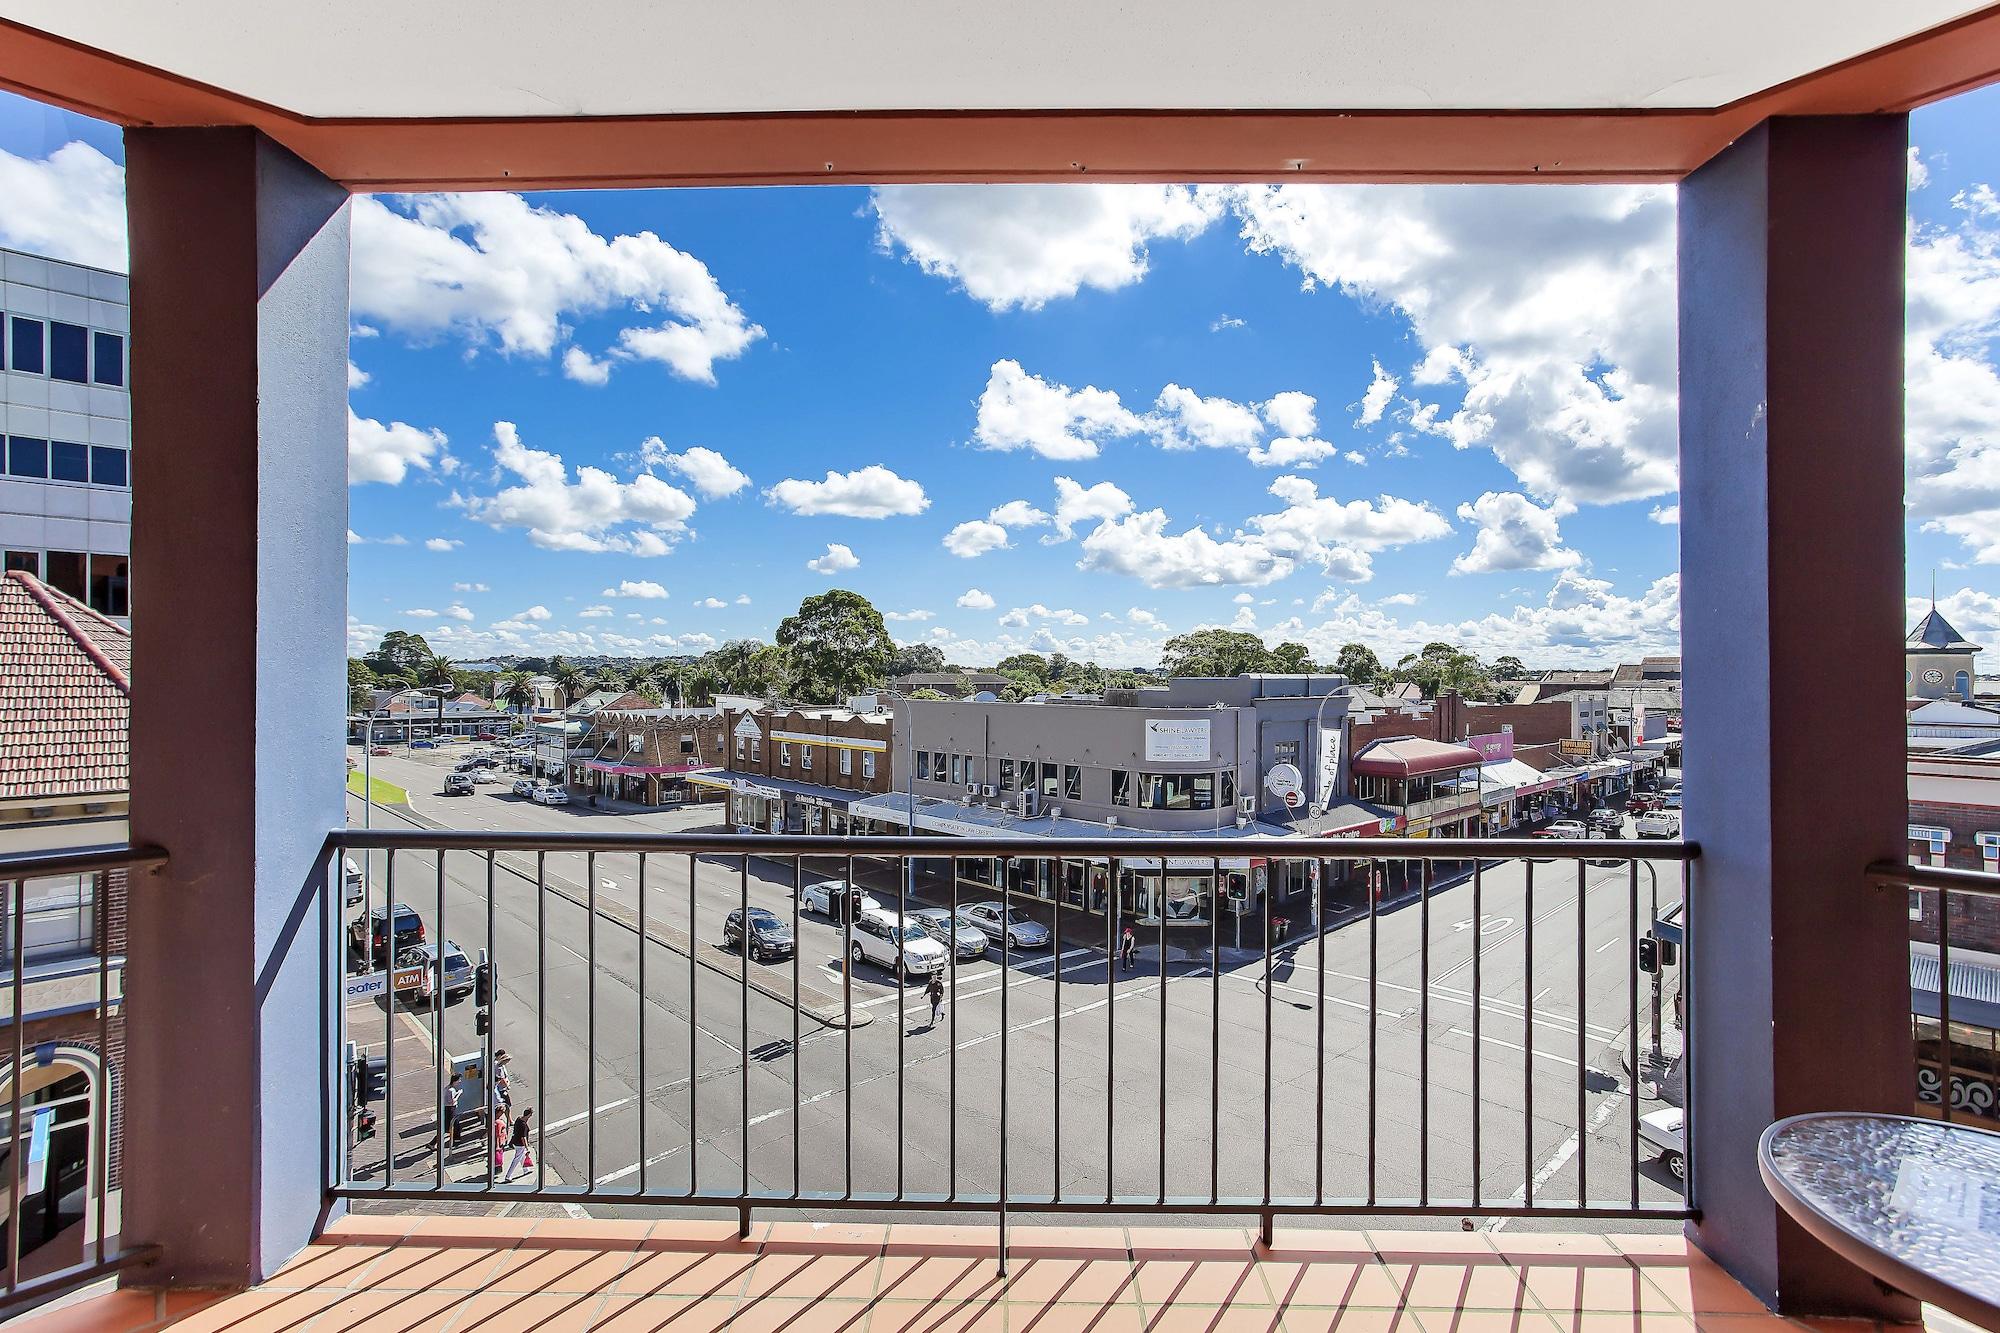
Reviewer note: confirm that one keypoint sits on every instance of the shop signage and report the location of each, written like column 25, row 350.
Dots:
column 1177, row 740
column 747, row 727
column 408, row 978
column 1285, row 782
column 1494, row 746
column 1573, row 747
column 1327, row 781
column 360, row 988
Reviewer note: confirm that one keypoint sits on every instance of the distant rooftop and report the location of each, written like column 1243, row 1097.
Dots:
column 65, row 694
column 1934, row 634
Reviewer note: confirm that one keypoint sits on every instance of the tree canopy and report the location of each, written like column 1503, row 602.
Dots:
column 1357, row 662
column 838, row 646
column 911, row 658
column 1215, row 652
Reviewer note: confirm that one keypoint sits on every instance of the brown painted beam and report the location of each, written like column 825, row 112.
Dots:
column 941, row 146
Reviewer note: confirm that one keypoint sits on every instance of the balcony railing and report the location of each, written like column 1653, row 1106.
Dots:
column 1464, row 1035
column 60, row 1228
column 1956, row 1066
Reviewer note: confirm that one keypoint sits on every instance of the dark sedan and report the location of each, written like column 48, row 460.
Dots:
column 770, row 937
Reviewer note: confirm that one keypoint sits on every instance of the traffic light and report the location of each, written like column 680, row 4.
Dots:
column 482, row 1021
column 482, row 985
column 1670, row 953
column 364, row 1125
column 1649, row 954
column 367, row 1080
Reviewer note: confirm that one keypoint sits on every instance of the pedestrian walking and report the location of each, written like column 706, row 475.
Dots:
column 1279, row 925
column 523, row 1154
column 1128, row 949
column 503, row 1082
column 447, row 1119
column 497, row 1135
column 935, row 992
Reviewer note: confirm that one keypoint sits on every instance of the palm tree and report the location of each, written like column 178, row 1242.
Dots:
column 568, row 678
column 611, row 677
column 699, row 689
column 437, row 670
column 515, row 690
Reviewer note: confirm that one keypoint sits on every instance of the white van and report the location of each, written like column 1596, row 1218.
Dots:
column 350, row 882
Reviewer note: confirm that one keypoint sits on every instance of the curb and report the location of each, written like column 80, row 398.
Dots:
column 821, row 1008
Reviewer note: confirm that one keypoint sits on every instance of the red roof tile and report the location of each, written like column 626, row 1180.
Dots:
column 65, row 694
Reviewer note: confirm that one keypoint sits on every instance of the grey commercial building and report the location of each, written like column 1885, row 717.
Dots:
column 1189, row 757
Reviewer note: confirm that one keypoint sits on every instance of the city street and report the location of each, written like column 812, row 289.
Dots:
column 1070, row 1040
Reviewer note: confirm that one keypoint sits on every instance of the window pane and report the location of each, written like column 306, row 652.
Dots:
column 27, row 458
column 27, row 561
column 1006, row 775
column 110, row 585
column 1072, row 783
column 66, row 573
column 27, row 346
column 69, row 352
column 1121, row 787
column 69, row 462
column 107, row 466
column 110, row 360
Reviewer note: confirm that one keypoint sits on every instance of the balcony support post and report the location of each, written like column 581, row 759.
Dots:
column 1791, row 401
column 239, row 309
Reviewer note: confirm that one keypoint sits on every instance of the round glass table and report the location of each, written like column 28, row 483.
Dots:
column 1914, row 1203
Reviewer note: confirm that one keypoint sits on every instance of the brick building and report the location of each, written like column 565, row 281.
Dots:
column 796, row 770
column 1449, row 719
column 65, row 711
column 646, row 754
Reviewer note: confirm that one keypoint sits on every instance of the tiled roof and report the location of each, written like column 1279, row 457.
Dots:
column 65, row 694
column 1935, row 634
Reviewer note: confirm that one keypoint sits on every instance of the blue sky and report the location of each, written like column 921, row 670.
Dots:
column 1075, row 418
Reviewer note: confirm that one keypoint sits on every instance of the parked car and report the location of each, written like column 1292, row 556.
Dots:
column 1659, row 824
column 1604, row 819
column 486, row 775
column 1022, row 930
column 826, row 897
column 1564, row 828
column 1662, row 1129
column 350, row 882
column 525, row 787
column 423, row 745
column 885, row 939
column 548, row 793
column 1603, row 834
column 770, row 937
column 1641, row 803
column 370, row 936
column 458, row 784
column 457, row 975
column 937, row 923
column 380, row 752
column 1672, row 800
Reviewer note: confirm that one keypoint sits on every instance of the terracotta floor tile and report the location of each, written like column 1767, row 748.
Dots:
column 260, row 1311
column 1419, row 1245
column 1650, row 1243
column 1029, row 1318
column 409, row 1267
column 113, row 1312
column 1591, row 1285
column 695, row 1234
column 1352, row 1319
column 1200, row 1281
column 1189, row 1242
column 1081, row 1242
column 685, row 1273
column 175, row 1305
column 840, row 1276
column 1331, row 1284
column 921, row 1237
column 471, row 1230
column 1484, row 1321
column 605, row 1232
column 827, row 1235
column 1303, row 1242
column 392, row 1312
column 363, row 1227
column 323, row 1265
column 559, row 1270
column 510, row 1312
column 929, row 1277
column 1621, row 1321
column 665, row 1314
column 1703, row 1287
column 977, row 1315
column 1181, row 1318
column 1071, row 1281
column 777, row 1314
column 1743, row 1323
column 1442, row 1285
column 1545, row 1244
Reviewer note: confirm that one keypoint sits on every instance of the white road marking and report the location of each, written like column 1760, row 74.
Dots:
column 1606, row 945
column 582, row 1116
column 1560, row 1158
column 1488, row 1039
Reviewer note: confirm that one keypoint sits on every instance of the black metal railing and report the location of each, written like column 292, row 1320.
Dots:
column 1955, row 1062
column 62, row 924
column 1480, row 1078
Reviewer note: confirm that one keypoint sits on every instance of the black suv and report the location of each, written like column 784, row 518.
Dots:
column 370, row 937
column 770, row 937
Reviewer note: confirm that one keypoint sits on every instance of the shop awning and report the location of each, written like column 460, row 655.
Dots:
column 1504, row 779
column 1975, row 987
column 755, row 784
column 1350, row 819
column 643, row 770
column 961, row 820
column 1411, row 757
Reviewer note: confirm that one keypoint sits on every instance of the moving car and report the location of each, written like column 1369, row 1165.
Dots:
column 937, row 923
column 370, row 937
column 1660, row 824
column 1662, row 1129
column 1604, row 819
column 350, row 877
column 525, row 787
column 827, row 897
column 458, row 784
column 1022, row 930
column 457, row 975
column 883, row 938
column 486, row 775
column 548, row 793
column 1564, row 828
column 423, row 745
column 380, row 751
column 770, row 937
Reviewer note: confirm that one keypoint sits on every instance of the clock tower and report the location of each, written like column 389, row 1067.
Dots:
column 1937, row 660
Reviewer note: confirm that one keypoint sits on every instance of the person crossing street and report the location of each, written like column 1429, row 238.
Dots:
column 934, row 992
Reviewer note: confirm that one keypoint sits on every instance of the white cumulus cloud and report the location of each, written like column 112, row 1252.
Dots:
column 1513, row 532
column 69, row 205
column 708, row 471
column 975, row 537
column 641, row 588
column 387, row 452
column 974, row 600
column 1022, row 411
column 441, row 544
column 837, row 559
column 597, row 512
column 870, row 492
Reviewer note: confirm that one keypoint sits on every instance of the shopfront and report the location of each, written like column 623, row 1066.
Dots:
column 1974, row 1034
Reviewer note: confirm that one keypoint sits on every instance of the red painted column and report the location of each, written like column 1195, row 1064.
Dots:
column 1791, row 366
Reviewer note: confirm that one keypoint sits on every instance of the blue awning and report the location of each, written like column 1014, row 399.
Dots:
column 958, row 819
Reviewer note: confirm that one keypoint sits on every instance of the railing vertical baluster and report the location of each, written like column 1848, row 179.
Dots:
column 1944, row 1004
column 329, row 1036
column 1689, row 1129
column 1006, row 967
column 541, row 1020
column 1111, row 909
column 1632, row 1026
column 440, row 1056
column 1055, row 1078
column 16, row 1141
column 1375, row 887
column 1319, row 1038
column 1160, row 907
column 743, row 1026
column 951, row 1059
column 847, row 1010
column 1264, row 1218
column 1478, row 1008
column 798, row 887
column 488, row 1072
column 1424, row 1034
column 388, row 1131
column 643, row 1090
column 337, row 1117
column 1528, row 1039
column 694, row 1051
column 590, row 1024
column 902, row 1014
column 1582, row 1010
column 1214, row 1029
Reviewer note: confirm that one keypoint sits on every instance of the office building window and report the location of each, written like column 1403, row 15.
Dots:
column 27, row 458
column 756, row 749
column 1049, row 780
column 1121, row 786
column 108, row 363
column 1006, row 775
column 846, row 762
column 69, row 352
column 108, row 466
column 68, row 462
column 66, row 573
column 1229, row 789
column 28, row 562
column 923, row 765
column 868, row 764
column 110, row 585
column 742, row 747
column 1177, row 791
column 61, row 919
column 957, row 769
column 687, row 745
column 1072, row 783
column 805, row 756
column 784, row 754
column 26, row 346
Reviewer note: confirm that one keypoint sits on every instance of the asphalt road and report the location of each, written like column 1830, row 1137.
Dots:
column 1139, row 1082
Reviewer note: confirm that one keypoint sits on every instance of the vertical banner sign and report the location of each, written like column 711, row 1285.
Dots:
column 1327, row 781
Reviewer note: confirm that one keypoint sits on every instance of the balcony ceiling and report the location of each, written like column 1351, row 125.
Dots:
column 384, row 94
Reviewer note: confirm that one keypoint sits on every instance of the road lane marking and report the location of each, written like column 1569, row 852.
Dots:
column 1560, row 1158
column 582, row 1116
column 1488, row 1039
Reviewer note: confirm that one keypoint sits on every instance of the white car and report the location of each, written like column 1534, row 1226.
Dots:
column 1660, row 824
column 350, row 881
column 1565, row 828
column 820, row 898
column 550, row 794
column 1662, row 1129
column 890, row 941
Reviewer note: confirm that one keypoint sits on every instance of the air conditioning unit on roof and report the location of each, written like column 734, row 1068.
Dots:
column 1247, row 806
column 989, row 791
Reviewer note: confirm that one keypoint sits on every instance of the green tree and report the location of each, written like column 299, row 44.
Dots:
column 1214, row 652
column 1439, row 667
column 361, row 682
column 1357, row 662
column 838, row 646
column 925, row 694
column 401, row 655
column 698, row 688
column 1293, row 657
column 569, row 678
column 745, row 666
column 1509, row 668
column 514, row 690
column 911, row 658
column 1032, row 665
